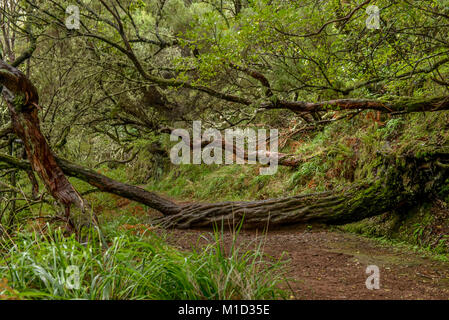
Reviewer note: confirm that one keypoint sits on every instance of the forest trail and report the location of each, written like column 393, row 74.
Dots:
column 327, row 264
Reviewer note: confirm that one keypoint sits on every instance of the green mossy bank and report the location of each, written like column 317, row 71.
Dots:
column 341, row 154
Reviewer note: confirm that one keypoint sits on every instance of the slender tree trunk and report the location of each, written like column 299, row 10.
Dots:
column 22, row 100
column 12, row 208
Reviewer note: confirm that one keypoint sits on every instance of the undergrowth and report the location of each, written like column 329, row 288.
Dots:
column 143, row 266
column 128, row 266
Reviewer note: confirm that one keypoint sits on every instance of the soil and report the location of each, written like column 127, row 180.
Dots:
column 322, row 263
column 325, row 264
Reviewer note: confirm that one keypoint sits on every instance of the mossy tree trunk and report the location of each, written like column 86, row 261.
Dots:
column 399, row 182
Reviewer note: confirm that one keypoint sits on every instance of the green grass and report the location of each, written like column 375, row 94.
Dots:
column 219, row 183
column 420, row 229
column 423, row 251
column 132, row 267
column 146, row 267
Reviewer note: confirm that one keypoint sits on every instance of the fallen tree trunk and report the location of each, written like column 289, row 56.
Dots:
column 396, row 185
column 282, row 159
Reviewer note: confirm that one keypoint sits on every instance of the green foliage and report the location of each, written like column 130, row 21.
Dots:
column 219, row 183
column 422, row 228
column 114, row 87
column 133, row 267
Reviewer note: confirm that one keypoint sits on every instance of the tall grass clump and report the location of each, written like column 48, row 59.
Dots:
column 37, row 266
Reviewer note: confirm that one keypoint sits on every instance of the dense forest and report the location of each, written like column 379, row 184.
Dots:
column 346, row 99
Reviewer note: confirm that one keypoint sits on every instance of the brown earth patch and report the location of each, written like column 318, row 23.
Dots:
column 325, row 264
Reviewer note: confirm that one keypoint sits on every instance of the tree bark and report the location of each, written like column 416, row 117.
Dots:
column 398, row 184
column 282, row 159
column 394, row 105
column 105, row 184
column 22, row 100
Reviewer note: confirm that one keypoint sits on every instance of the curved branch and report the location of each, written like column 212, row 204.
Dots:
column 399, row 104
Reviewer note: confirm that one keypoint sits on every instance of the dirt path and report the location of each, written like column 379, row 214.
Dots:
column 332, row 265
